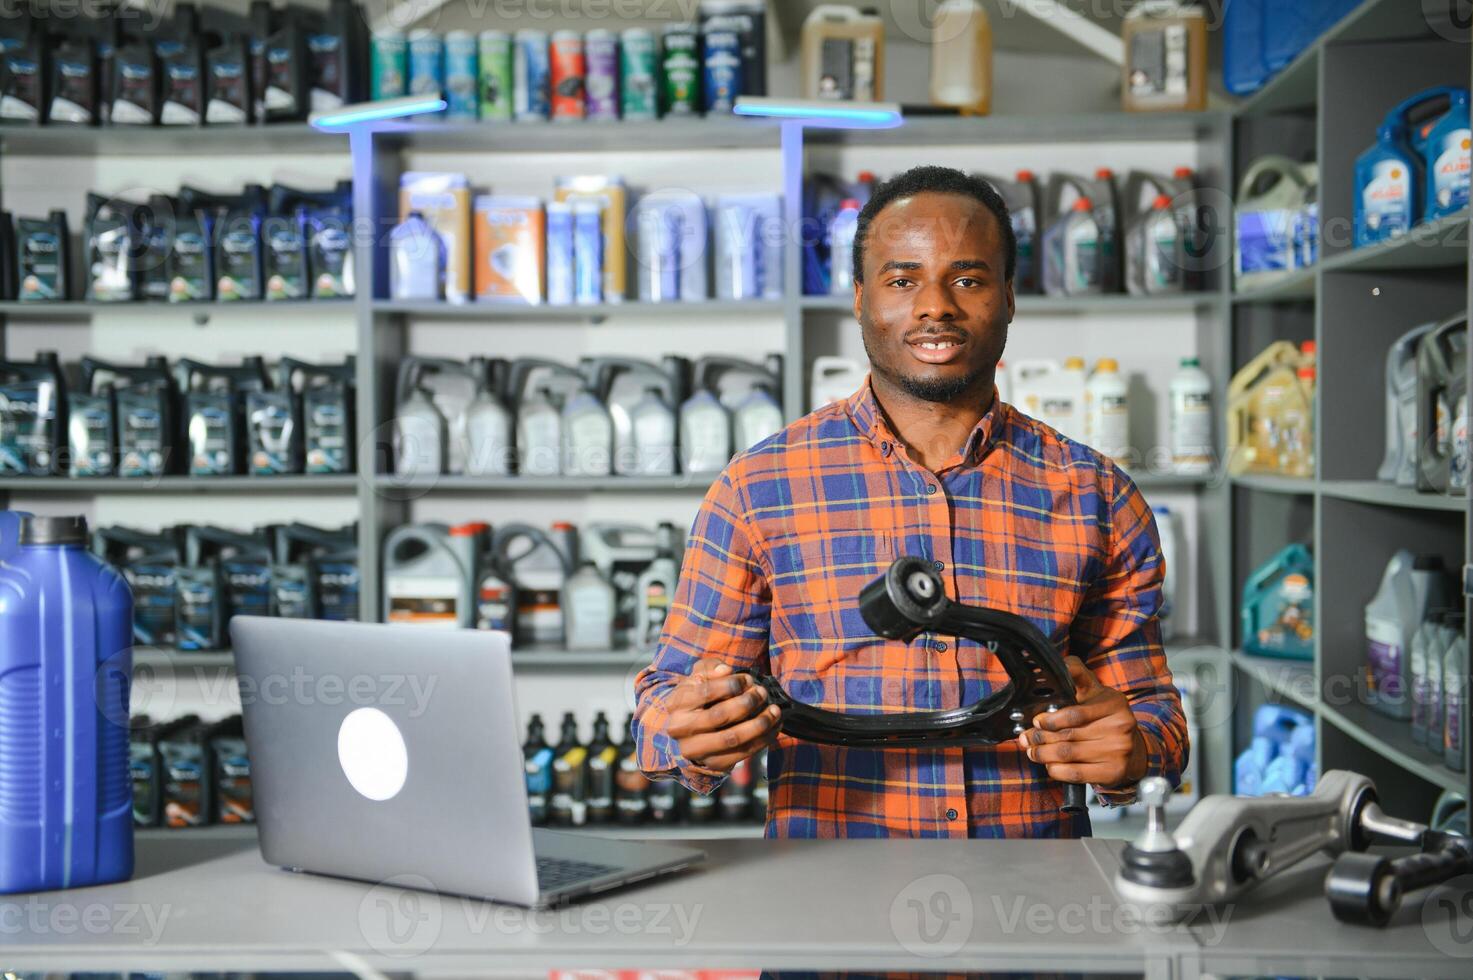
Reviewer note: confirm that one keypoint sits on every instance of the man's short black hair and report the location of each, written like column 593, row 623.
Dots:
column 936, row 180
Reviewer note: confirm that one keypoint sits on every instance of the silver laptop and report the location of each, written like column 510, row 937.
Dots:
column 387, row 751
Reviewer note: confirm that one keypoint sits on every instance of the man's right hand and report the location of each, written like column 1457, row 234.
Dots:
column 719, row 718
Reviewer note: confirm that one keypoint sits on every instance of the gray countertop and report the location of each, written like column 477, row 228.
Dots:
column 834, row 905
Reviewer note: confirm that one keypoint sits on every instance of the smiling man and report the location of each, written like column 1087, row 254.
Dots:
column 922, row 460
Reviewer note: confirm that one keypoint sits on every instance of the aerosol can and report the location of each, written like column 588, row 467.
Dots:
column 32, row 415
column 622, row 553
column 488, row 424
column 214, row 400
column 655, row 589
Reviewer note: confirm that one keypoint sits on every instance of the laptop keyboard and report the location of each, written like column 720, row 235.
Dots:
column 553, row 873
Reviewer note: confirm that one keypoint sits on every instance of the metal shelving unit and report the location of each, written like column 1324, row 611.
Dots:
column 1324, row 106
column 286, row 484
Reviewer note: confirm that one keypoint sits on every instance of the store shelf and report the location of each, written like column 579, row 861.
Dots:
column 1392, row 739
column 214, row 832
column 163, row 659
column 1291, row 679
column 555, row 484
column 1057, row 305
column 1294, row 287
column 919, row 131
column 1169, row 481
column 326, row 483
column 1391, row 495
column 165, row 141
column 1439, row 244
column 517, row 312
column 717, row 132
column 83, row 310
column 1275, row 484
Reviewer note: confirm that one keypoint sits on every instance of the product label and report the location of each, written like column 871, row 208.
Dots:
column 539, row 616
column 40, row 266
column 706, row 440
column 630, row 784
column 211, row 446
column 1384, row 653
column 27, row 428
column 141, row 438
column 656, row 610
column 143, row 772
column 152, row 586
column 1265, row 241
column 569, row 803
column 683, row 75
column 272, row 429
column 539, row 782
column 182, row 95
column 184, row 795
column 90, row 434
column 285, row 257
column 337, row 590
column 601, row 782
column 423, row 600
column 227, row 92
column 190, row 265
column 494, row 605
column 195, row 600
column 1386, row 201
column 326, row 431
column 233, row 781
column 1191, row 428
column 291, row 596
column 1449, row 173
column 1082, row 243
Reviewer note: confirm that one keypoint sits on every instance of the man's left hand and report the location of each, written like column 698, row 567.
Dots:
column 1095, row 741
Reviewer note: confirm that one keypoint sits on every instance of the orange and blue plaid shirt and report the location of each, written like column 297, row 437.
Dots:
column 1021, row 519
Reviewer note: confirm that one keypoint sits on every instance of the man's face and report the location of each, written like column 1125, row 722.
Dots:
column 935, row 305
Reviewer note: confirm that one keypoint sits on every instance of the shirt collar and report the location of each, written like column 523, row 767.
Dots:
column 864, row 411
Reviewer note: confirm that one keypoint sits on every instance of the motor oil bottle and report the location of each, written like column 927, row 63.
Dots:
column 1442, row 400
column 1052, row 393
column 1445, row 160
column 488, row 428
column 705, row 434
column 186, row 768
column 226, row 43
column 1156, row 256
column 234, row 801
column 421, row 435
column 1165, row 66
column 733, row 379
column 143, row 767
column 337, row 48
column 569, row 805
column 539, row 435
column 1455, row 692
column 305, row 243
column 316, row 573
column 136, row 82
column 330, row 244
column 452, row 385
column 496, row 595
column 603, row 766
column 1296, row 424
column 199, row 601
column 663, row 801
column 537, row 762
column 1410, row 587
column 236, row 238
column 1439, row 637
column 833, row 379
column 624, row 385
column 71, row 85
column 1278, row 606
column 622, row 553
column 178, row 264
column 1021, row 195
column 23, row 61
column 42, row 259
column 114, row 398
column 329, row 410
column 114, row 248
column 273, row 427
column 1191, row 418
column 588, row 436
column 655, row 589
column 147, row 562
column 245, row 567
column 181, row 70
column 630, row 783
column 735, row 800
column 1422, row 650
column 1107, row 411
column 427, row 582
column 1386, row 188
column 66, row 656
column 214, row 400
column 1399, row 464
column 91, row 433
column 1271, row 193
column 280, row 66
column 33, row 420
column 758, row 417
column 843, row 54
column 961, row 57
column 588, row 609
column 537, row 566
column 1072, row 247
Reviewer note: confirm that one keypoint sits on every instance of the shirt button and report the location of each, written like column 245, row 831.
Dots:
column 938, row 565
column 941, row 646
column 950, row 814
column 884, row 449
column 930, row 489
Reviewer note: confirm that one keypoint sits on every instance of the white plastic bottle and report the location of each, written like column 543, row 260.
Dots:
column 842, row 231
column 1191, row 418
column 539, row 436
column 961, row 57
column 588, row 436
column 1107, row 411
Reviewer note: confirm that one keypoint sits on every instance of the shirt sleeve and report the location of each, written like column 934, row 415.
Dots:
column 722, row 608
column 1117, row 633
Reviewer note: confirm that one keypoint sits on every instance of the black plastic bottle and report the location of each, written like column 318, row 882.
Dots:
column 664, row 798
column 736, row 792
column 569, row 776
column 538, row 761
column 603, row 763
column 630, row 783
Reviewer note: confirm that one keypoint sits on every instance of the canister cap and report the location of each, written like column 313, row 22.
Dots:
column 53, row 530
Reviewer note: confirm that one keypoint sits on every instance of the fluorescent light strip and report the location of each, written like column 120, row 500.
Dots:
column 372, row 112
column 818, row 113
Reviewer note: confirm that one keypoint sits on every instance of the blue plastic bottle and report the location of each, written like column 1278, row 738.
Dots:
column 66, row 806
column 1445, row 160
column 1385, row 187
column 1278, row 606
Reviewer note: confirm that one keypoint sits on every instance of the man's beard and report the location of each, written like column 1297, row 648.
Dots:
column 939, row 390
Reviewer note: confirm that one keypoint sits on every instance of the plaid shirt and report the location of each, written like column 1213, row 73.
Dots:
column 1020, row 519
